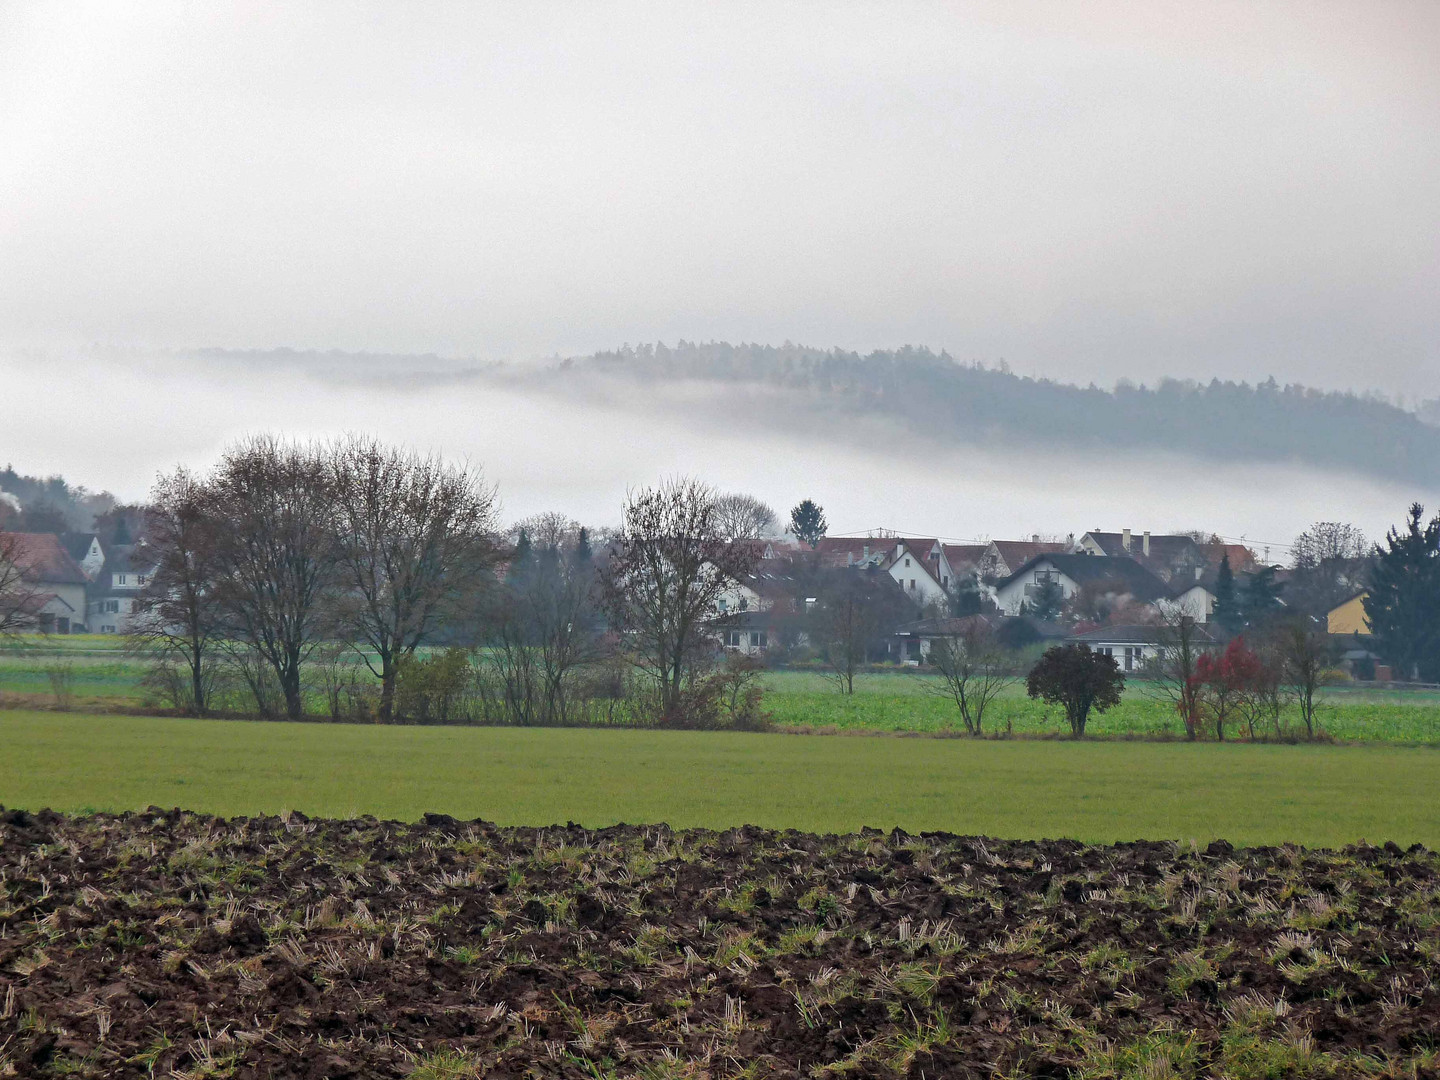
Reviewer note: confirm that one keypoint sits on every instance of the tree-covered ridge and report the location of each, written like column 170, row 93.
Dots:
column 950, row 400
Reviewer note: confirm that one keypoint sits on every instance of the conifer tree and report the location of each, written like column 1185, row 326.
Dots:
column 1227, row 613
column 1403, row 601
column 807, row 522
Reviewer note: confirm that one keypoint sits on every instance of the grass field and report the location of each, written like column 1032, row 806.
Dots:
column 1096, row 792
column 103, row 676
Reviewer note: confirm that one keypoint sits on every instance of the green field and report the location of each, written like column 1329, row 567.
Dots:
column 1097, row 792
column 102, row 675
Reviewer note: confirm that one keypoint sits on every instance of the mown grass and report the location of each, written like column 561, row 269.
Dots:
column 1096, row 791
column 905, row 701
column 900, row 701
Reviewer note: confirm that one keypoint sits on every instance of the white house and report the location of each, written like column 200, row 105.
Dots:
column 85, row 549
column 922, row 573
column 1120, row 577
column 111, row 602
column 1197, row 601
column 1132, row 646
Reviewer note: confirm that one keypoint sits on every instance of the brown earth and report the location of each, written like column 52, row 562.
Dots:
column 173, row 944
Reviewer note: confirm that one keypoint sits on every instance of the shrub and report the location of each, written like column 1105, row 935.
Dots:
column 435, row 689
column 1079, row 680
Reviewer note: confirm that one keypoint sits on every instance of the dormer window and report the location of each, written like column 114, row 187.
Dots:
column 119, row 579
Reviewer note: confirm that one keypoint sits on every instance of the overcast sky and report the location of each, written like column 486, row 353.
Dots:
column 1088, row 191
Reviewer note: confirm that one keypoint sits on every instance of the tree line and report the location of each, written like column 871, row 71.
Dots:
column 938, row 395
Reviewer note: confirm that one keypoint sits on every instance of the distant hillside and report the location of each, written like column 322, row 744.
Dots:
column 940, row 398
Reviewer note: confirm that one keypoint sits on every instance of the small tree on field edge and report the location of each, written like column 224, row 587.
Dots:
column 1078, row 679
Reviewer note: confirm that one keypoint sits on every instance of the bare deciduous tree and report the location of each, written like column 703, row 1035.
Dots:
column 848, row 620
column 669, row 566
column 743, row 517
column 1174, row 668
column 974, row 669
column 547, row 530
column 545, row 630
column 277, row 556
column 179, row 614
column 20, row 596
column 414, row 540
column 1306, row 657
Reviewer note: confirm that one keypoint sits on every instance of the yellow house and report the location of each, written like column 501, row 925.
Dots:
column 1349, row 617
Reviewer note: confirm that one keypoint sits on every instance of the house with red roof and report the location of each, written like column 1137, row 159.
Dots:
column 58, row 601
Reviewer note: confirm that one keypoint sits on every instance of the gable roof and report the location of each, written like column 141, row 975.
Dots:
column 929, row 567
column 1123, row 573
column 77, row 544
column 44, row 559
column 964, row 555
column 835, row 551
column 1164, row 547
column 1018, row 552
column 1134, row 634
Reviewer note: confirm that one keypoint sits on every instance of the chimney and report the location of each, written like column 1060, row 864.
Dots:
column 1146, row 543
column 866, row 549
column 1125, row 540
column 1034, row 538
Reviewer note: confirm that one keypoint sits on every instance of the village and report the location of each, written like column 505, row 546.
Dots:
column 1116, row 592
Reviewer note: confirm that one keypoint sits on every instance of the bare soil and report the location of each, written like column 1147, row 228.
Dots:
column 172, row 944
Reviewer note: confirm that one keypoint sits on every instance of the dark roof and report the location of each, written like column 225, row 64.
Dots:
column 1166, row 547
column 953, row 627
column 1133, row 635
column 77, row 544
column 44, row 559
column 1017, row 552
column 1123, row 573
column 948, row 627
column 129, row 558
column 1356, row 595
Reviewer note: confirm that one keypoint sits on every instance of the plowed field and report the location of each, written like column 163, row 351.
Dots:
column 172, row 944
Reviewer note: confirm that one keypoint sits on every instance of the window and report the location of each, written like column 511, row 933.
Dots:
column 140, row 581
column 754, row 639
column 733, row 639
column 912, row 584
column 907, row 561
column 723, row 604
column 744, row 603
column 119, row 579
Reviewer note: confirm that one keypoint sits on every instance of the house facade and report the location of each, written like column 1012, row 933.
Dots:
column 1122, row 579
column 57, row 580
column 111, row 603
column 1349, row 617
column 1132, row 646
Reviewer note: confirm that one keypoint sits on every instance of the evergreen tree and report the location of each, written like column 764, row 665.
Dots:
column 583, row 551
column 1260, row 597
column 1227, row 614
column 1047, row 600
column 521, row 559
column 1403, row 601
column 807, row 522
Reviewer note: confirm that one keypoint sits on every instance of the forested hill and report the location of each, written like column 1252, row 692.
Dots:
column 938, row 397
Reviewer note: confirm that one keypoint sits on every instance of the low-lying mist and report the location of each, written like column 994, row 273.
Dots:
column 557, row 439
